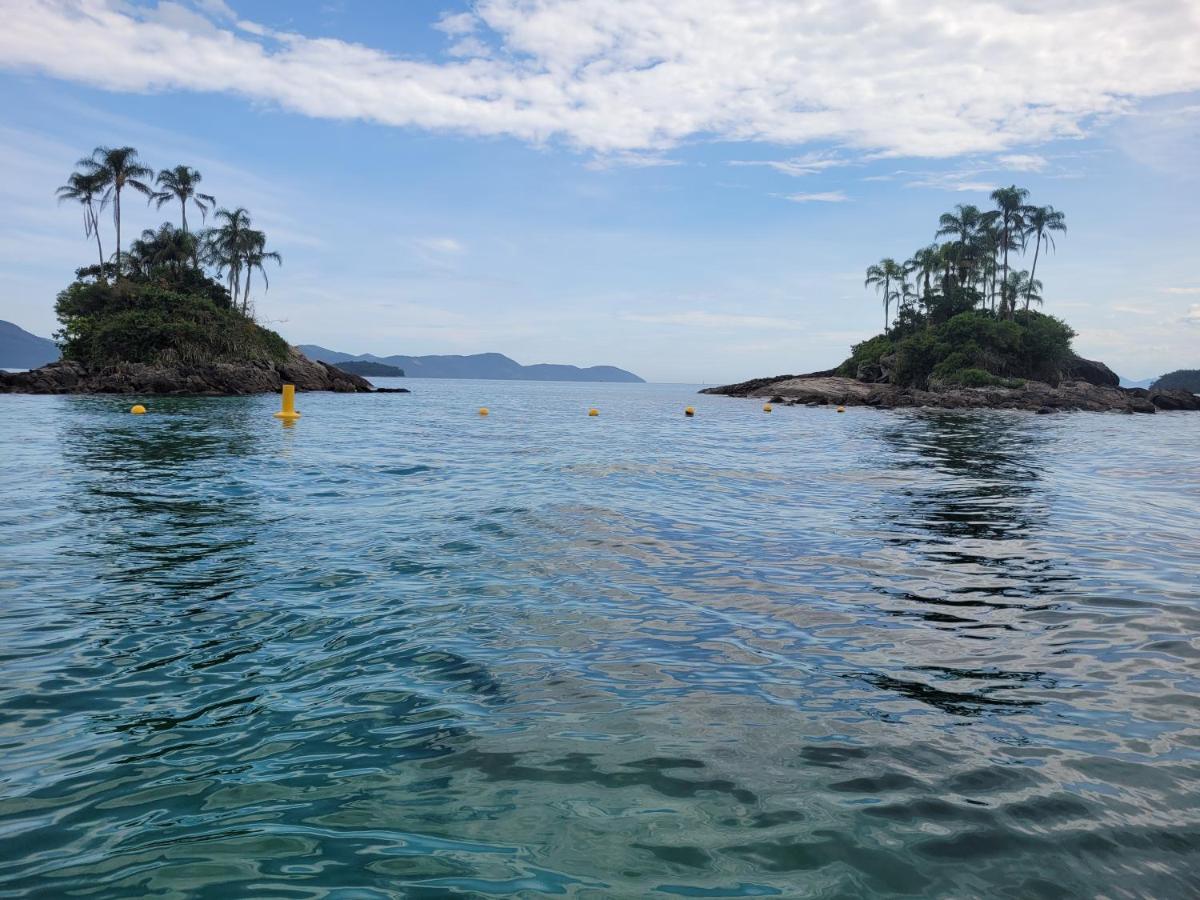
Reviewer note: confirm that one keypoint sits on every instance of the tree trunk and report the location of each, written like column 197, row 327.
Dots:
column 99, row 247
column 117, row 217
column 183, row 209
column 1033, row 272
column 246, row 295
column 1004, row 281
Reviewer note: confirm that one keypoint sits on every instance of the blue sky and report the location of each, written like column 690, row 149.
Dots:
column 688, row 190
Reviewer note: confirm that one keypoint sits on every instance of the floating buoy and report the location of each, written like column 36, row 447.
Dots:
column 289, row 403
column 593, row 411
column 766, row 407
column 841, row 409
column 483, row 410
column 689, row 412
column 137, row 409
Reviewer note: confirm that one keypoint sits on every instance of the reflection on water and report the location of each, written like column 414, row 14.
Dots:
column 397, row 650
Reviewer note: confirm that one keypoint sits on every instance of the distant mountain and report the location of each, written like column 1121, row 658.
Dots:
column 1143, row 383
column 368, row 369
column 21, row 350
column 478, row 365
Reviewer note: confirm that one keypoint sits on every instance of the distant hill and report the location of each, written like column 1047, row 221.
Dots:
column 1141, row 383
column 478, row 365
column 1187, row 379
column 21, row 350
column 369, row 369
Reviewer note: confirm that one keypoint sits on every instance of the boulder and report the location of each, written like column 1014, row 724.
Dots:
column 1091, row 371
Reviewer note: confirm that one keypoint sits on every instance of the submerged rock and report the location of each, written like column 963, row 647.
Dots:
column 1036, row 396
column 214, row 379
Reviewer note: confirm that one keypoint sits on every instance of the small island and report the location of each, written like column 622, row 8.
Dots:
column 964, row 334
column 173, row 313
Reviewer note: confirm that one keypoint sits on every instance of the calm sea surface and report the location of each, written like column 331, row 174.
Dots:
column 399, row 650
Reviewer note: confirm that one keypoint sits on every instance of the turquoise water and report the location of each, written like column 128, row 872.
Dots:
column 398, row 650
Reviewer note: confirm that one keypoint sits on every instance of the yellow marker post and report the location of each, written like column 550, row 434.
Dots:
column 137, row 409
column 766, row 407
column 289, row 403
column 593, row 411
column 689, row 412
column 483, row 410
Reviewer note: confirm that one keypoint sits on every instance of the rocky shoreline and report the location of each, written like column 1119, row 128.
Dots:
column 215, row 379
column 825, row 388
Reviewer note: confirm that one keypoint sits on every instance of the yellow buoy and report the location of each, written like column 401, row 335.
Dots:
column 483, row 410
column 289, row 403
column 593, row 411
column 137, row 409
column 766, row 407
column 841, row 409
column 689, row 412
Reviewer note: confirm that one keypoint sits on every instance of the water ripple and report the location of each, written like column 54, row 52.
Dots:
column 399, row 650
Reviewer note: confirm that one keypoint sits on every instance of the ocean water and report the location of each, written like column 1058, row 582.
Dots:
column 400, row 650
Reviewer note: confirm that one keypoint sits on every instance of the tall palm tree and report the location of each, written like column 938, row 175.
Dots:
column 881, row 275
column 254, row 257
column 118, row 168
column 1010, row 203
column 226, row 243
column 1039, row 222
column 180, row 184
column 87, row 189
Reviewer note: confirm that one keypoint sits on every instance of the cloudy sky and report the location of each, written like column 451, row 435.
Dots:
column 690, row 189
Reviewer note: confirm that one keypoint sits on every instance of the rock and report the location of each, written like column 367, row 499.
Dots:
column 1173, row 399
column 1097, row 373
column 64, row 377
column 380, row 390
column 1035, row 396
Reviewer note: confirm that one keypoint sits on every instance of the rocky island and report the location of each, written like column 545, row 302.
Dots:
column 171, row 314
column 964, row 335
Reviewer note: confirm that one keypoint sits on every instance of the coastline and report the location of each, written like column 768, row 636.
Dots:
column 825, row 388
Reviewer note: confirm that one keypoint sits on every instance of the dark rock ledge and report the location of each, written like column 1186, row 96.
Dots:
column 823, row 388
column 215, row 379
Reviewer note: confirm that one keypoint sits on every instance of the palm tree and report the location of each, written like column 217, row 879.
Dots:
column 881, row 275
column 965, row 227
column 1022, row 284
column 1039, row 222
column 180, row 184
column 255, row 255
column 925, row 262
column 226, row 244
column 118, row 168
column 1010, row 204
column 87, row 189
column 167, row 247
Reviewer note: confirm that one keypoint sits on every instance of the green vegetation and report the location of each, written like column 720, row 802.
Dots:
column 1183, row 379
column 962, row 313
column 157, row 302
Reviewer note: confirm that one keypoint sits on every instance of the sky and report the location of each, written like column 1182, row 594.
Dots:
column 689, row 189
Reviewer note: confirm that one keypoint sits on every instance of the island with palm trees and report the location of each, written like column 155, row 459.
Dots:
column 173, row 313
column 960, row 330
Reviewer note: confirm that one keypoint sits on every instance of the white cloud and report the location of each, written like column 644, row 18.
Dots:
column 1181, row 290
column 905, row 77
column 951, row 181
column 702, row 319
column 444, row 246
column 796, row 166
column 1024, row 162
column 1193, row 315
column 819, row 197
